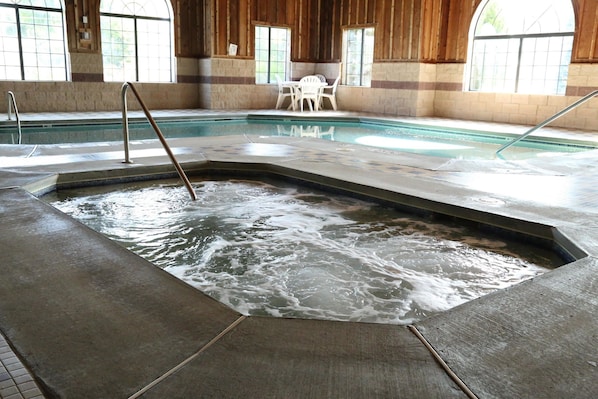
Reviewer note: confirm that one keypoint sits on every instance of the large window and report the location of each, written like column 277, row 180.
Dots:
column 522, row 46
column 272, row 53
column 358, row 56
column 32, row 40
column 137, row 40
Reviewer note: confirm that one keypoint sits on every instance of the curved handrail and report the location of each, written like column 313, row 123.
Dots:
column 547, row 121
column 13, row 102
column 151, row 120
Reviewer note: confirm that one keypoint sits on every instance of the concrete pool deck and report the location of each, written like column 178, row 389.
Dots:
column 90, row 319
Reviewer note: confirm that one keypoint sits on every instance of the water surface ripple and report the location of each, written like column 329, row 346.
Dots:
column 272, row 249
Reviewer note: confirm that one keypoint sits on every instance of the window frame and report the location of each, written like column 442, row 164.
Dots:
column 23, row 66
column 521, row 39
column 136, row 18
column 365, row 76
column 270, row 76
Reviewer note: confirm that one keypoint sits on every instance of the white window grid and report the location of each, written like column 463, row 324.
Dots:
column 136, row 42
column 521, row 47
column 531, row 64
column 32, row 39
column 272, row 54
column 358, row 56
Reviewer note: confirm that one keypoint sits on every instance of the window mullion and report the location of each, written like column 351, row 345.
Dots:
column 136, row 50
column 20, row 41
column 269, row 67
column 65, row 49
column 518, row 70
column 361, row 57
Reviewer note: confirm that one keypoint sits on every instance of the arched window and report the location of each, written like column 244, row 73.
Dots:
column 32, row 40
column 137, row 40
column 521, row 46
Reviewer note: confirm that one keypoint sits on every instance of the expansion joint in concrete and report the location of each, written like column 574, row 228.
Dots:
column 442, row 363
column 188, row 360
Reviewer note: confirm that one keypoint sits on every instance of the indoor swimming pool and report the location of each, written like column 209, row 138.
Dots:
column 270, row 248
column 395, row 136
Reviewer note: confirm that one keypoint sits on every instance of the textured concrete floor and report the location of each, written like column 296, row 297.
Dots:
column 90, row 319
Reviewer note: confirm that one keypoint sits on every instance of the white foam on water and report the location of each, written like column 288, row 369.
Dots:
column 285, row 252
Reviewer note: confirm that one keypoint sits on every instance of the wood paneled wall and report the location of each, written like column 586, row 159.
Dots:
column 445, row 29
column 398, row 33
column 234, row 21
column 585, row 47
column 406, row 30
column 75, row 10
column 192, row 28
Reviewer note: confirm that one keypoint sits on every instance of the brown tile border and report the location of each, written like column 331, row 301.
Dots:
column 188, row 79
column 376, row 84
column 227, row 80
column 407, row 85
column 449, row 86
column 579, row 90
column 87, row 77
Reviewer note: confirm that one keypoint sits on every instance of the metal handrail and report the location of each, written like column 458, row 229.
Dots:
column 547, row 121
column 10, row 96
column 151, row 120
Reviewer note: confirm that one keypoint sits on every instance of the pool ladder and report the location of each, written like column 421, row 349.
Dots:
column 547, row 121
column 151, row 120
column 12, row 105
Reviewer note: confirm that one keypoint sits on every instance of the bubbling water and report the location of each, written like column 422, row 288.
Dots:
column 269, row 249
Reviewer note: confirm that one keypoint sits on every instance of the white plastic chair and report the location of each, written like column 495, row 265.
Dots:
column 309, row 89
column 284, row 92
column 330, row 94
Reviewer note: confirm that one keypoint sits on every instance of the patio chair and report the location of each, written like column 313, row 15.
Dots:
column 284, row 91
column 329, row 92
column 321, row 77
column 309, row 89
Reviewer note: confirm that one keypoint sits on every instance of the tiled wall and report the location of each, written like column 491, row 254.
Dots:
column 331, row 70
column 398, row 89
column 301, row 69
column 229, row 83
column 415, row 89
column 451, row 101
column 402, row 88
column 86, row 96
column 88, row 92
